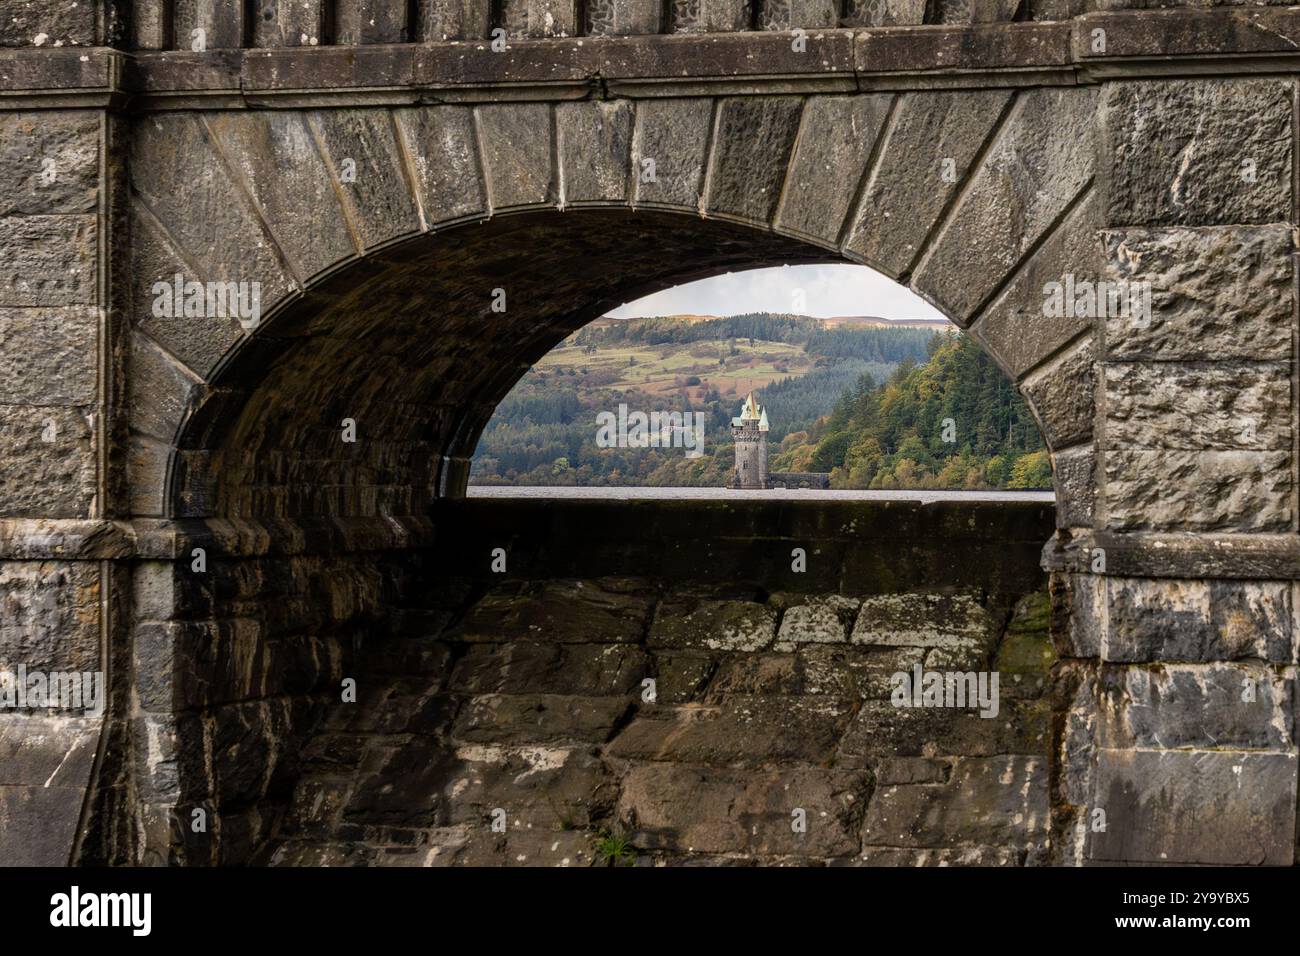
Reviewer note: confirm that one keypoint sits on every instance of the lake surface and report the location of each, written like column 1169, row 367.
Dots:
column 802, row 494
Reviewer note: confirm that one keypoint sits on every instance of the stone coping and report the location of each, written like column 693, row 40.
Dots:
column 1164, row 42
column 1208, row 555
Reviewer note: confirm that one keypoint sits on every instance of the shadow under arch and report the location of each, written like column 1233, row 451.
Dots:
column 406, row 342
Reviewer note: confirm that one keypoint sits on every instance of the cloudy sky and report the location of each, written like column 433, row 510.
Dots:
column 827, row 290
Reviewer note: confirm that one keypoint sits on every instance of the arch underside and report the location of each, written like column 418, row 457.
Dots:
column 421, row 349
column 380, row 238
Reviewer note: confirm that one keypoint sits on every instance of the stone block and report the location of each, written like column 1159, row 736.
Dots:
column 531, row 667
column 38, row 825
column 681, row 676
column 199, row 343
column 618, row 18
column 47, row 261
column 278, row 161
column 1217, row 294
column 48, row 356
column 944, row 126
column 47, row 462
column 539, row 718
column 1195, row 807
column 1170, row 620
column 563, row 611
column 709, row 16
column 159, row 390
column 288, row 23
column 755, row 136
column 999, row 801
column 715, row 625
column 1062, row 394
column 541, row 18
column 672, row 135
column 1167, row 490
column 42, row 751
column 454, row 19
column 1074, row 479
column 1020, row 326
column 690, row 809
column 1194, row 407
column 516, row 144
column 49, row 163
column 823, row 619
column 963, row 12
column 379, row 198
column 1042, row 160
column 440, row 141
column 836, row 140
column 884, row 13
column 371, row 21
column 750, row 731
column 952, row 620
column 185, row 184
column 48, row 23
column 595, row 141
column 1211, row 706
column 222, row 23
column 798, row 14
column 1202, row 153
column 882, row 730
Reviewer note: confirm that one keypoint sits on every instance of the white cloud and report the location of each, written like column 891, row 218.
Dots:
column 828, row 290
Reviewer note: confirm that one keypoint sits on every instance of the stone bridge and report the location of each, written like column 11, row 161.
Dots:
column 222, row 502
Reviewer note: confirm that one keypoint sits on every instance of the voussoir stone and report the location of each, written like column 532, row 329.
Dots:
column 1042, row 160
column 836, row 140
column 669, row 150
column 595, row 141
column 899, row 208
column 755, row 136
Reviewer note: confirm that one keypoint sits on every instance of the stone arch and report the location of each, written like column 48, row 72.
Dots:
column 334, row 211
column 379, row 237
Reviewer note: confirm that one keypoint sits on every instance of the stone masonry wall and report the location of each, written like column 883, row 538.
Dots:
column 234, row 667
column 1148, row 142
column 681, row 707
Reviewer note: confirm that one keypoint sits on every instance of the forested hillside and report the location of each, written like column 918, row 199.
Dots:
column 867, row 405
column 954, row 421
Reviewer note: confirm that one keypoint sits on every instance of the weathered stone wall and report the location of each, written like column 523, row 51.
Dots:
column 527, row 693
column 234, row 662
column 977, row 163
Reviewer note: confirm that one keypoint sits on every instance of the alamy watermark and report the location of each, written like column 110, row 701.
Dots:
column 1084, row 299
column 652, row 430
column 969, row 690
column 81, row 692
column 208, row 300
